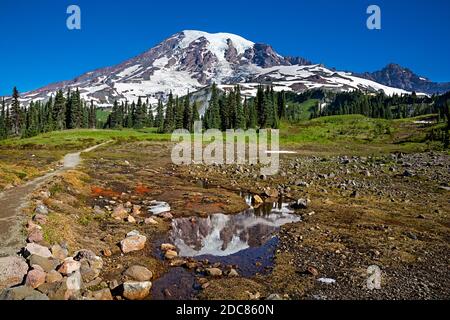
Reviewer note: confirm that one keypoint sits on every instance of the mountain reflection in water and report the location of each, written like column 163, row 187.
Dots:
column 223, row 235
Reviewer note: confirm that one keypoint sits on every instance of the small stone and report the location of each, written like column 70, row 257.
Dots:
column 313, row 271
column 233, row 273
column 171, row 254
column 168, row 246
column 214, row 272
column 150, row 221
column 119, row 212
column 41, row 209
column 101, row 295
column 53, row 276
column 12, row 271
column 47, row 264
column 257, row 199
column 271, row 193
column 40, row 218
column 301, row 204
column 58, row 252
column 74, row 281
column 36, row 249
column 133, row 290
column 274, row 296
column 36, row 235
column 138, row 273
column 69, row 266
column 133, row 243
column 22, row 293
column 35, row 278
column 107, row 252
column 166, row 215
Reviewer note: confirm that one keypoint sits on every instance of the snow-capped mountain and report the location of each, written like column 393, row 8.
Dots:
column 191, row 60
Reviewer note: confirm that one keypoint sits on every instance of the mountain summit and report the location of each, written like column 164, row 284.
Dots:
column 191, row 60
column 397, row 76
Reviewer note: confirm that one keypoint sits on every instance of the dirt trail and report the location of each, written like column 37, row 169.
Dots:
column 14, row 200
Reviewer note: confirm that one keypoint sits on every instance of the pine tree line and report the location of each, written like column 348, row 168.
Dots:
column 230, row 111
column 59, row 113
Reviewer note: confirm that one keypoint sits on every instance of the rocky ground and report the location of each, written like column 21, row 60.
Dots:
column 100, row 232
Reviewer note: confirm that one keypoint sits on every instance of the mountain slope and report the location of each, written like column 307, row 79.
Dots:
column 394, row 75
column 191, row 60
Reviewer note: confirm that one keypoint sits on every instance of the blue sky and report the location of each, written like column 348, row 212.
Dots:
column 37, row 48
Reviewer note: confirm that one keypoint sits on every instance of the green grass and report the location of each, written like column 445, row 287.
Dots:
column 76, row 139
column 356, row 134
column 102, row 115
column 303, row 110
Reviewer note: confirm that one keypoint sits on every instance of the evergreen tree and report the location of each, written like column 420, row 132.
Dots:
column 241, row 122
column 169, row 121
column 187, row 113
column 195, row 114
column 159, row 119
column 179, row 113
column 16, row 113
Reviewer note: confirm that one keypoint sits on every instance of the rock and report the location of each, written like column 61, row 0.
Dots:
column 233, row 273
column 300, row 204
column 271, row 193
column 177, row 262
column 22, row 293
column 101, row 295
column 53, row 276
column 166, row 215
column 36, row 249
column 312, row 271
column 171, row 254
column 150, row 221
column 41, row 209
column 119, row 212
column 408, row 173
column 59, row 252
column 12, row 271
column 47, row 264
column 168, row 246
column 131, row 219
column 36, row 235
column 40, row 218
column 133, row 233
column 69, row 266
column 136, row 210
column 107, row 252
column 214, row 272
column 159, row 207
column 31, row 226
column 134, row 290
column 411, row 235
column 257, row 199
column 74, row 281
column 35, row 278
column 274, row 296
column 138, row 273
column 88, row 273
column 133, row 243
column 98, row 210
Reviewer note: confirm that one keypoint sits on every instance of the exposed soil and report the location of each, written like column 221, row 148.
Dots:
column 390, row 211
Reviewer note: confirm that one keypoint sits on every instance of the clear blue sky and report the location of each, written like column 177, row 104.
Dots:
column 37, row 48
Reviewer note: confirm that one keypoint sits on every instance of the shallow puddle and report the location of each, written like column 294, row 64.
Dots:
column 225, row 235
column 244, row 241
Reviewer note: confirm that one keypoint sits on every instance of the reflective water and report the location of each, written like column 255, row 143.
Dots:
column 225, row 235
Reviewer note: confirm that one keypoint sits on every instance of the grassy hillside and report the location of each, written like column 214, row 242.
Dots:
column 357, row 134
